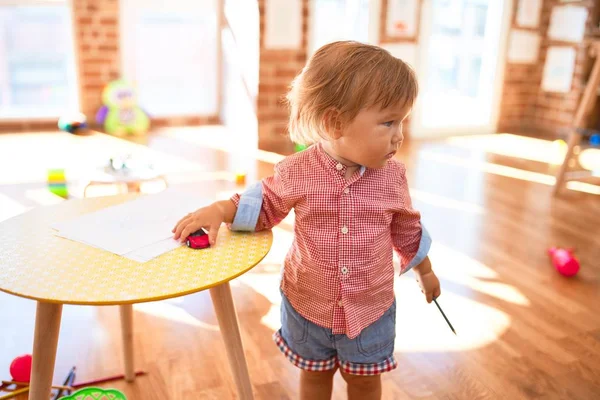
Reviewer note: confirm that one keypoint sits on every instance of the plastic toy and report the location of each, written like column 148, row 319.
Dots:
column 564, row 261
column 299, row 147
column 20, row 368
column 120, row 114
column 93, row 393
column 57, row 183
column 240, row 178
column 75, row 124
column 198, row 240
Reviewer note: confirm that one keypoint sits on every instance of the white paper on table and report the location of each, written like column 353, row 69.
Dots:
column 153, row 250
column 523, row 47
column 559, row 68
column 132, row 225
column 567, row 23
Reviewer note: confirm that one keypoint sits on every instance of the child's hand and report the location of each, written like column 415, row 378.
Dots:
column 429, row 282
column 210, row 217
column 430, row 285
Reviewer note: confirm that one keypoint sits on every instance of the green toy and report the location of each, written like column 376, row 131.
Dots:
column 57, row 183
column 299, row 147
column 120, row 114
column 92, row 393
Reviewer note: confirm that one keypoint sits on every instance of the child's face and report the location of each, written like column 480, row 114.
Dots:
column 373, row 137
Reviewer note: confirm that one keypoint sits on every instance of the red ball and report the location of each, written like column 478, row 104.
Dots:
column 20, row 368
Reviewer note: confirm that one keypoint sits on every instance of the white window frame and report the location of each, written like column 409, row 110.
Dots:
column 77, row 77
column 128, row 69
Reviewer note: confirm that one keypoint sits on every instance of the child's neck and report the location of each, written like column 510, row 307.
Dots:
column 351, row 167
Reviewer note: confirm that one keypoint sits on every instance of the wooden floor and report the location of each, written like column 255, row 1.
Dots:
column 524, row 332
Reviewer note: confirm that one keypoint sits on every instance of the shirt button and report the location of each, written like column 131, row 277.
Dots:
column 344, row 270
column 346, row 190
column 339, row 167
column 340, row 303
column 344, row 229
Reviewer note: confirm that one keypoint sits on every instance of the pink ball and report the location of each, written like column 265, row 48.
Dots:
column 20, row 368
column 564, row 261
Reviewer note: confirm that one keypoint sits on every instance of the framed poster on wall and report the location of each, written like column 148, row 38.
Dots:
column 528, row 13
column 559, row 69
column 402, row 21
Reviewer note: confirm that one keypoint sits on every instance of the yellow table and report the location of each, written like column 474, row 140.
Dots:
column 36, row 264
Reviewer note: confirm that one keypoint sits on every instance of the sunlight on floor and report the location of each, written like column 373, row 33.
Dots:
column 509, row 172
column 80, row 156
column 421, row 327
column 445, row 202
column 464, row 270
column 506, row 144
column 167, row 310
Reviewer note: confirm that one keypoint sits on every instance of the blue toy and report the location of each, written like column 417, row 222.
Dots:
column 76, row 123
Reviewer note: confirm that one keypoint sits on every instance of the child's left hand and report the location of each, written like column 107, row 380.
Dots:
column 429, row 282
column 430, row 285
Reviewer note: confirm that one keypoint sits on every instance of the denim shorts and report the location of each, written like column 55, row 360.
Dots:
column 314, row 348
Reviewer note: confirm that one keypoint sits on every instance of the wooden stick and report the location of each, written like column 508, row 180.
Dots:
column 8, row 383
column 15, row 393
column 103, row 380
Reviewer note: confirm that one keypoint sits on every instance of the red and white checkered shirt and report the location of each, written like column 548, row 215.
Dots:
column 339, row 272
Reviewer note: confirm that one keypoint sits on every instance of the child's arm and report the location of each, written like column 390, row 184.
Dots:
column 263, row 205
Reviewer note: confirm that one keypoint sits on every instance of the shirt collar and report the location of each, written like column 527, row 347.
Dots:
column 334, row 164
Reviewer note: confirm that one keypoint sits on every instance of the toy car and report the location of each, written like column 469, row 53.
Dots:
column 198, row 240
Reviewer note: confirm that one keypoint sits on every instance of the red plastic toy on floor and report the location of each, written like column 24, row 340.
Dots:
column 564, row 261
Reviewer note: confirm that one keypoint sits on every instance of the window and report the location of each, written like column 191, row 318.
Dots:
column 170, row 54
column 339, row 20
column 37, row 66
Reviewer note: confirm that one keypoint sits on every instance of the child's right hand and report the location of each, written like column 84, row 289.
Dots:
column 210, row 217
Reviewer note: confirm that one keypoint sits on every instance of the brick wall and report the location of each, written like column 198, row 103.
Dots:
column 97, row 43
column 277, row 69
column 526, row 108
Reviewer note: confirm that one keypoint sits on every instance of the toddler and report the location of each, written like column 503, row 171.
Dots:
column 352, row 210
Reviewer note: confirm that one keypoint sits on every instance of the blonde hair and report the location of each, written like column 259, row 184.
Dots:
column 346, row 76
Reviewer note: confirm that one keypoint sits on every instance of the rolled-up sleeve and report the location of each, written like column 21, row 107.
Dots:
column 264, row 204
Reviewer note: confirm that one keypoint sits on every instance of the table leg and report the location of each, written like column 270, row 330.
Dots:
column 127, row 335
column 45, row 342
column 226, row 315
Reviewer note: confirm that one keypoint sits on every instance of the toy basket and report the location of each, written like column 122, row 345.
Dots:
column 92, row 393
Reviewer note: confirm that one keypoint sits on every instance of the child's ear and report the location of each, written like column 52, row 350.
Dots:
column 334, row 123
